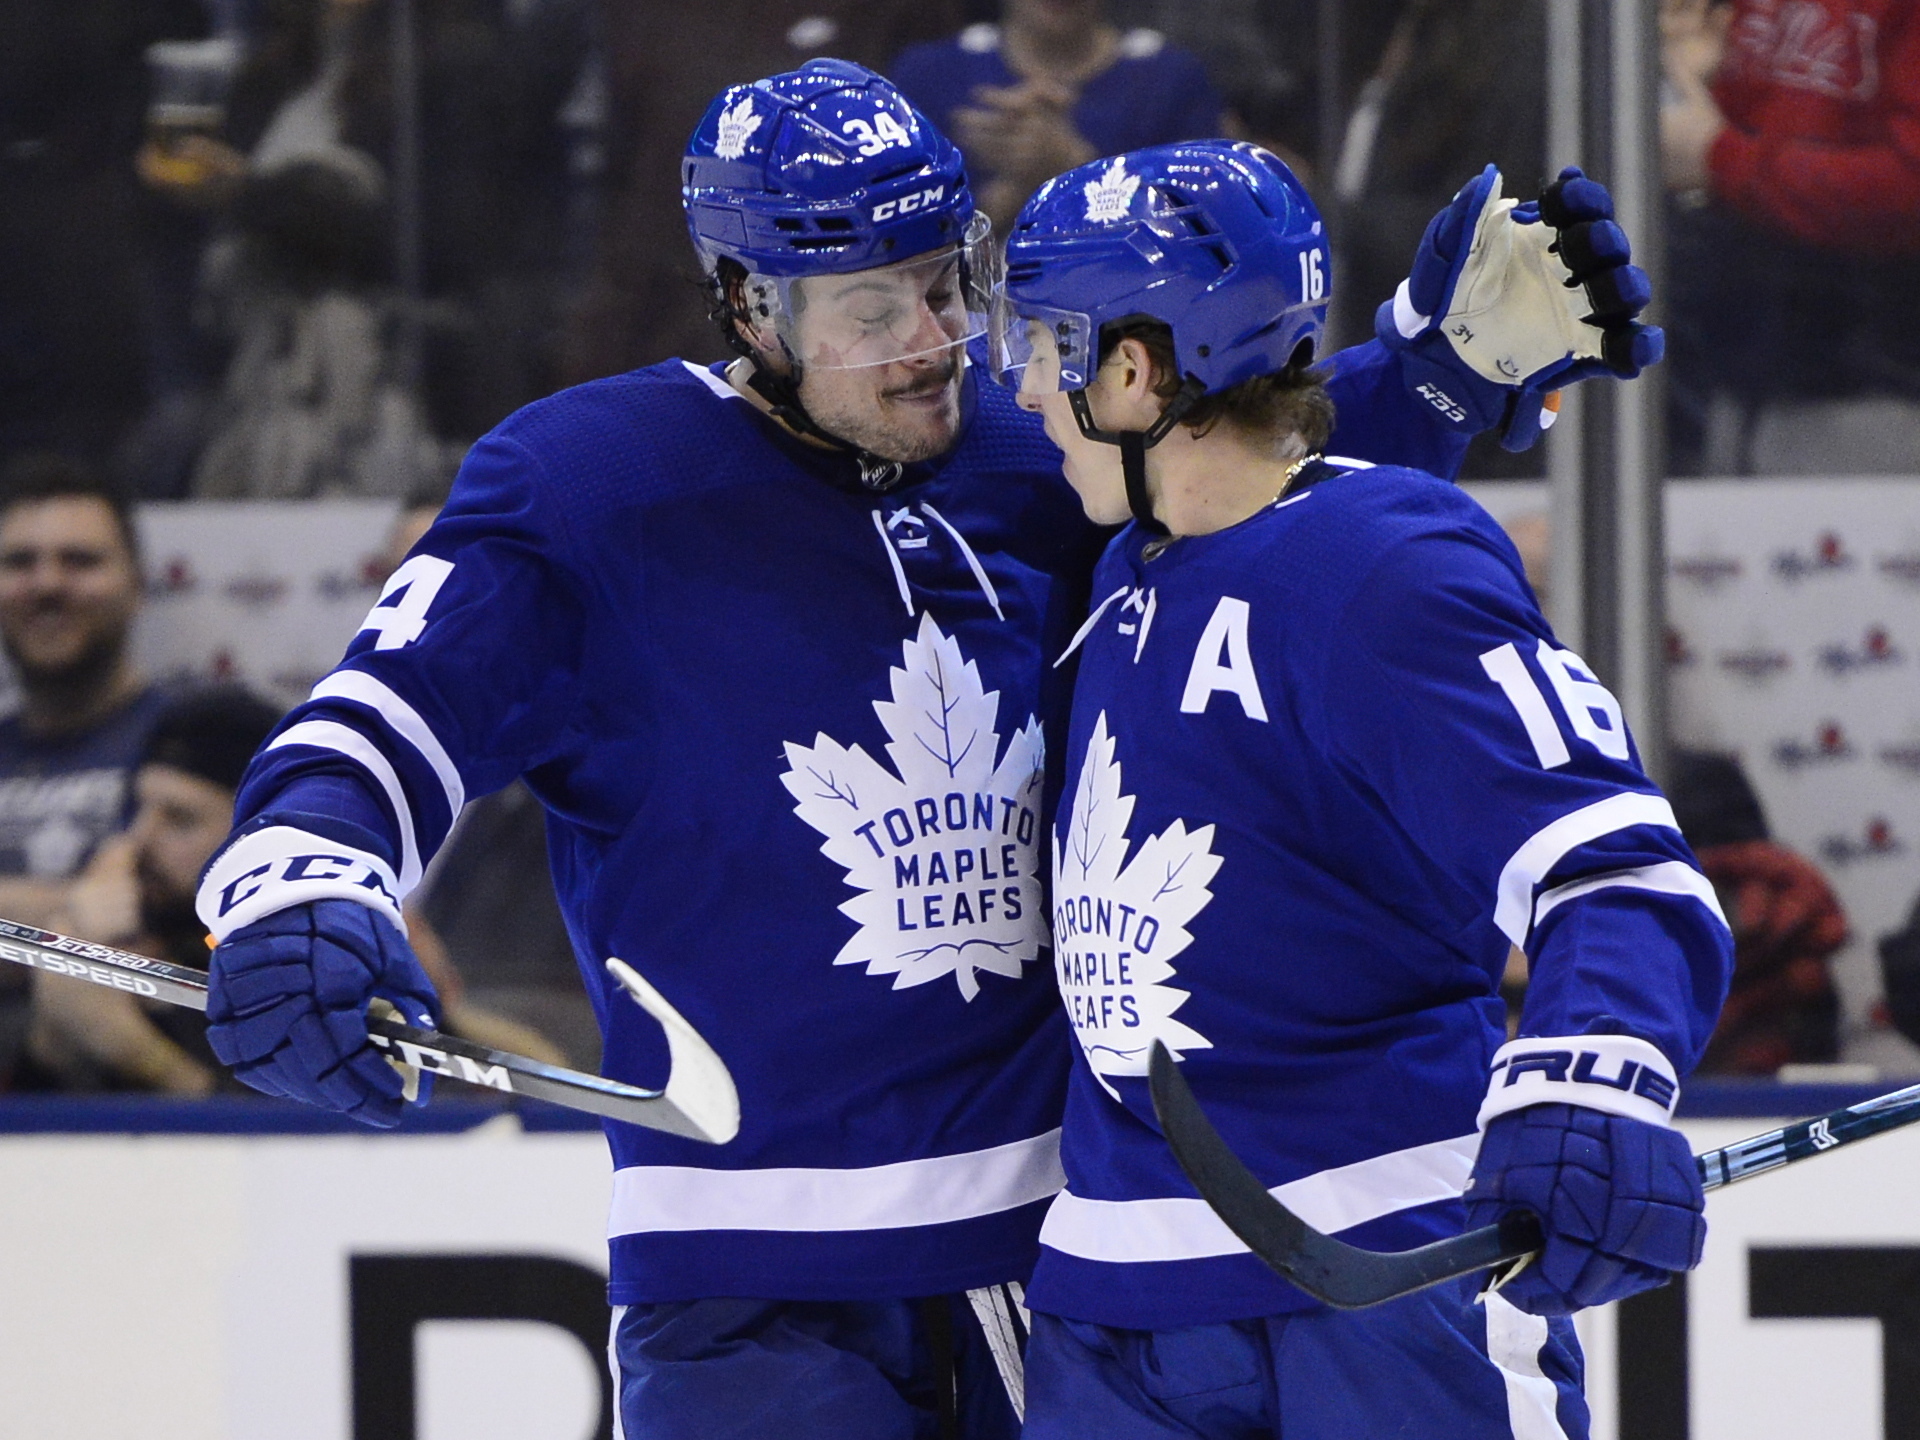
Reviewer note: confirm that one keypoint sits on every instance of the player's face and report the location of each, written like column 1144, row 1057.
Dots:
column 881, row 355
column 1091, row 468
column 68, row 586
column 180, row 821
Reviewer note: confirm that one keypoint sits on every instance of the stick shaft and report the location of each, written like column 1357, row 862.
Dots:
column 429, row 1050
column 1758, row 1154
column 140, row 975
column 1349, row 1277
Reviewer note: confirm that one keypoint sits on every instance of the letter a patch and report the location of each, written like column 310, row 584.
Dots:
column 1222, row 661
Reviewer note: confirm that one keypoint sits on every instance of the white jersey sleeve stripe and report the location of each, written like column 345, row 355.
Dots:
column 1670, row 877
column 1534, row 860
column 1174, row 1228
column 649, row 1199
column 364, row 689
column 330, row 735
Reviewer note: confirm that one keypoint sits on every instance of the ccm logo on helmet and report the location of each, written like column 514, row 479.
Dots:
column 1561, row 1067
column 907, row 204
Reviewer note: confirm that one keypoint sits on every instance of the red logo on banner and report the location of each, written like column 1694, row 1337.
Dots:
column 1830, row 743
column 1875, row 841
column 175, row 577
column 1679, row 653
column 1876, row 650
column 1829, row 557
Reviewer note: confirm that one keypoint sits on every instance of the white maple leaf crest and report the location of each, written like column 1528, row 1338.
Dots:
column 1117, row 923
column 736, row 128
column 1109, row 196
column 944, row 847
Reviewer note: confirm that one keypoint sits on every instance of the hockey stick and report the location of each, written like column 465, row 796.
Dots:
column 698, row 1101
column 1349, row 1278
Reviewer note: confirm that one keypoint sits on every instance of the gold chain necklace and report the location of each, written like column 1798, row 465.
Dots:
column 1286, row 480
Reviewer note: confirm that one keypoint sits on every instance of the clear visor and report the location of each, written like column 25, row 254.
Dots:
column 1037, row 349
column 911, row 310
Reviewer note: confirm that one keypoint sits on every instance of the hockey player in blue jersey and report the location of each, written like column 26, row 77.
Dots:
column 1326, row 763
column 771, row 641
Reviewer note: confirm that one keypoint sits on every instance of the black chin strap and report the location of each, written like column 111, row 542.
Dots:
column 1134, row 445
column 782, row 394
column 1133, row 468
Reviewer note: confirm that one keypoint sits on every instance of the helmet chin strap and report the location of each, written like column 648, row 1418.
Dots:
column 1134, row 445
column 782, row 394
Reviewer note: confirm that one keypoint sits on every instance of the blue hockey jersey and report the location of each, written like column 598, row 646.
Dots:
column 790, row 734
column 1324, row 767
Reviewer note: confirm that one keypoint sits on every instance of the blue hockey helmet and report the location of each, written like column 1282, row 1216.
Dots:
column 1216, row 239
column 826, row 171
column 818, row 171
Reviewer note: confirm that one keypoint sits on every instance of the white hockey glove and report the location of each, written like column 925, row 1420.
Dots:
column 1509, row 303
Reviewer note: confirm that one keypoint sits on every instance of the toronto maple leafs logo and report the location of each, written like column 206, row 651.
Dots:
column 943, row 848
column 1117, row 923
column 1109, row 196
column 736, row 128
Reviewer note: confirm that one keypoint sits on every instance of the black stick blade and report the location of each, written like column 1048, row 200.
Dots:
column 1330, row 1270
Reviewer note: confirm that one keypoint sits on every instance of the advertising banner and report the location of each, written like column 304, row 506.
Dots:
column 1793, row 644
column 450, row 1287
column 266, row 593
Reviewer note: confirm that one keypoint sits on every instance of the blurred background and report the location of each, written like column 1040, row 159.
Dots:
column 268, row 267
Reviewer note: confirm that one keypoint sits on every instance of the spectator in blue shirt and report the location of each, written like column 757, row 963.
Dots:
column 69, row 591
column 1052, row 86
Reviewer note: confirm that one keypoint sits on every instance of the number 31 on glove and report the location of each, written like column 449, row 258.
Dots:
column 1509, row 303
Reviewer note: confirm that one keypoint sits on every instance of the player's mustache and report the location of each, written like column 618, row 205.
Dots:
column 935, row 382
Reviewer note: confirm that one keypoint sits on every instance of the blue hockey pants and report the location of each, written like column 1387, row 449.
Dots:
column 1431, row 1366
column 806, row 1370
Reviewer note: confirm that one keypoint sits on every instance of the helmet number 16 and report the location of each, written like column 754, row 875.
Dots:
column 1313, row 274
column 872, row 138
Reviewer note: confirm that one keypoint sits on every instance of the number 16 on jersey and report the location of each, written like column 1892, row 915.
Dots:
column 1592, row 712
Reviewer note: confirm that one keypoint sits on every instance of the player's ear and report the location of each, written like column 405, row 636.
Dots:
column 1134, row 375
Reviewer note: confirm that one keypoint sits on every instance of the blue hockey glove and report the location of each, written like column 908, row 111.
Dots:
column 286, row 1007
column 1619, row 1199
column 1508, row 304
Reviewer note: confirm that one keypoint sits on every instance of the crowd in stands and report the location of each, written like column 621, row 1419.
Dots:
column 1791, row 143
column 287, row 249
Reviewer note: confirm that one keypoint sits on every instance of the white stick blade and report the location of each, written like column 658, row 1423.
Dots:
column 699, row 1084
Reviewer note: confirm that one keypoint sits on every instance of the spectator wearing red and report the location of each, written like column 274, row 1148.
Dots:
column 1791, row 139
column 1782, row 1008
column 1814, row 128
